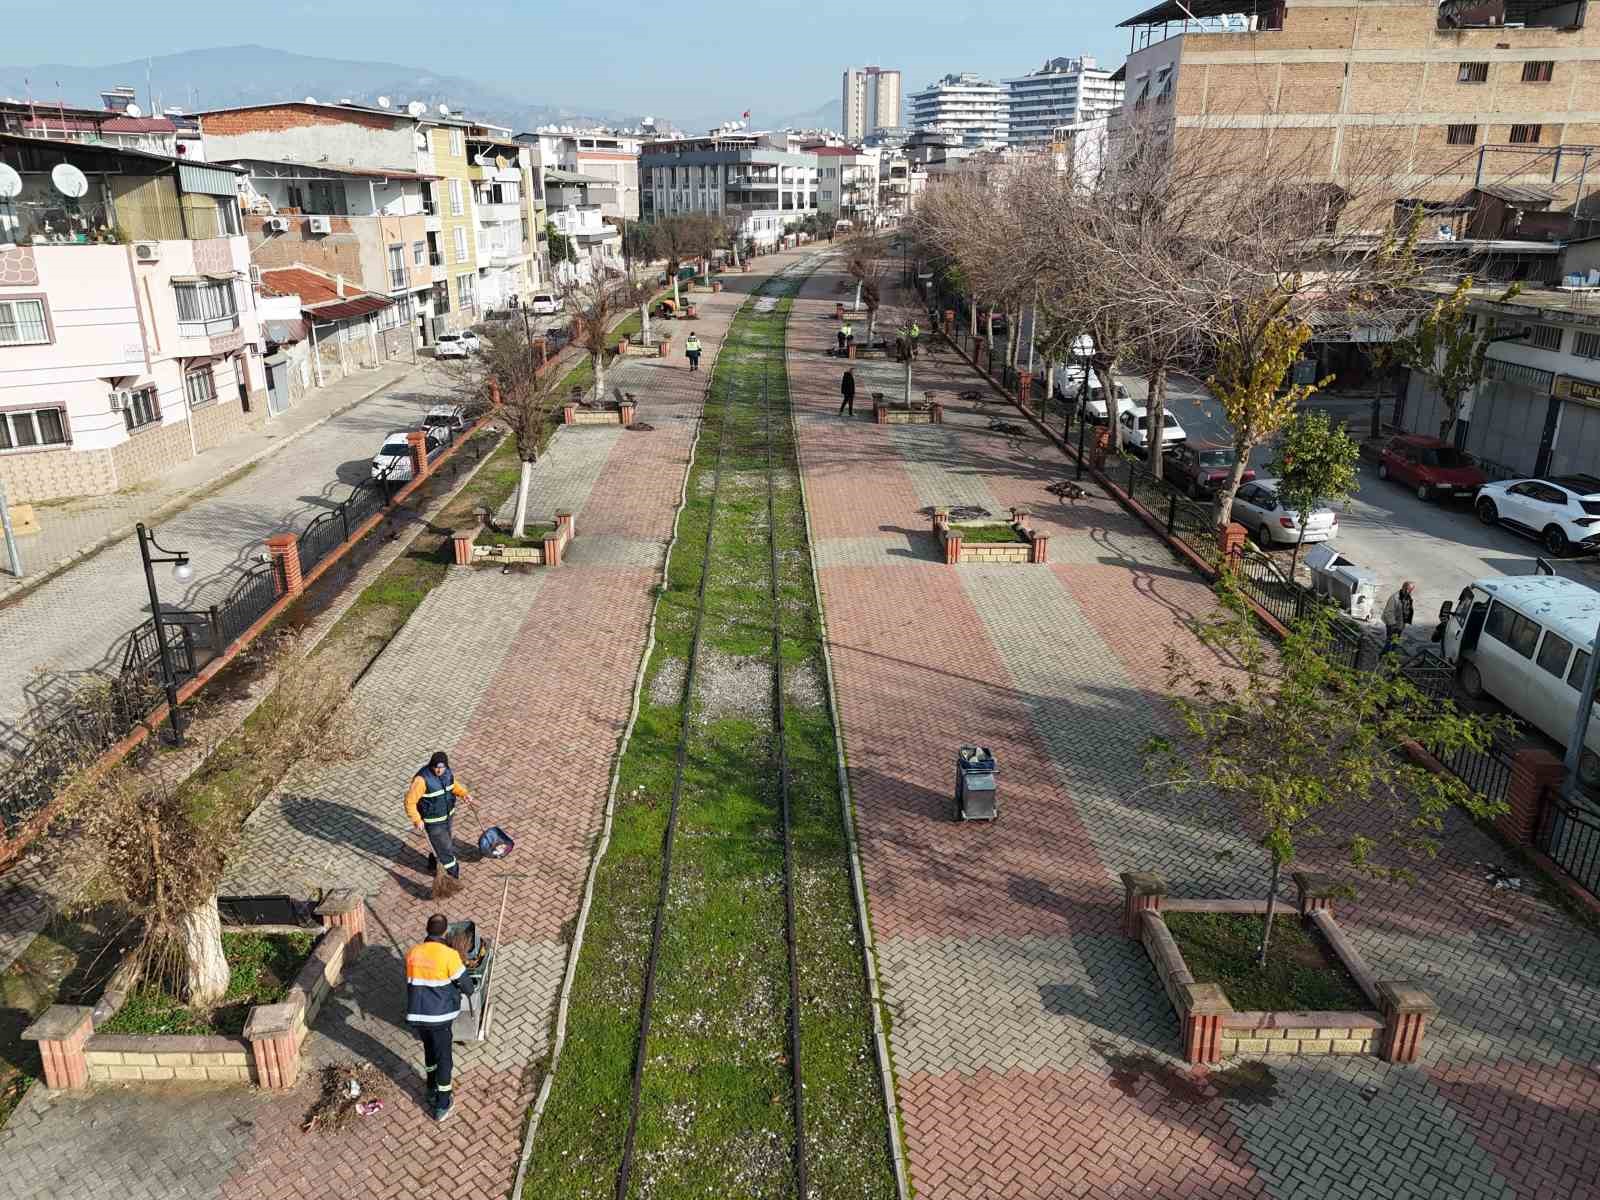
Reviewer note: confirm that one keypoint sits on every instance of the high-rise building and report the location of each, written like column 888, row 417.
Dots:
column 1065, row 91
column 871, row 101
column 965, row 106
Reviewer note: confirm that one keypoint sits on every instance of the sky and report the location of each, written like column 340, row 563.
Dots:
column 694, row 58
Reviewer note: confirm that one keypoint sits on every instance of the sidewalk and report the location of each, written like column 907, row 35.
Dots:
column 73, row 528
column 1036, row 1055
column 530, row 680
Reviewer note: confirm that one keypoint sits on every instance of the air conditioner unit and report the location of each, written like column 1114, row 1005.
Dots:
column 119, row 401
column 255, row 275
column 319, row 225
column 146, row 252
column 277, row 224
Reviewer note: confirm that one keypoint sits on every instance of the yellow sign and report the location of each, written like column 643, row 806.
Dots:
column 1569, row 387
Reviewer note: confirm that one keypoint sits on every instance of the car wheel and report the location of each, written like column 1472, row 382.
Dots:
column 1470, row 680
column 1383, row 470
column 1487, row 512
column 1555, row 541
column 1589, row 768
column 1422, row 492
column 1264, row 537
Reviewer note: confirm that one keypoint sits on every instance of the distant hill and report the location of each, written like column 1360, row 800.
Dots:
column 227, row 75
column 824, row 116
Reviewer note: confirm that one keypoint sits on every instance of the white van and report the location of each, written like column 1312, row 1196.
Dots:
column 545, row 304
column 1524, row 639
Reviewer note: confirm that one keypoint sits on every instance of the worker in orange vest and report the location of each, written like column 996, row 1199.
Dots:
column 436, row 983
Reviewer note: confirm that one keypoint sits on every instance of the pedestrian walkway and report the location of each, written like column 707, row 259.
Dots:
column 72, row 628
column 526, row 679
column 1035, row 1053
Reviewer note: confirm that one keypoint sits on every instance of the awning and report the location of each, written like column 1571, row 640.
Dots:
column 343, row 310
column 283, row 331
column 207, row 181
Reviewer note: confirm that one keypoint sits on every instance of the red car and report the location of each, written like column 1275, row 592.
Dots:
column 1432, row 467
column 1200, row 468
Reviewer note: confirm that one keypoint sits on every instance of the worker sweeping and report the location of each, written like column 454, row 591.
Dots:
column 436, row 983
column 430, row 803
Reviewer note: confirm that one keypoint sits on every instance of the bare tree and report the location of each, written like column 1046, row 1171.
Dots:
column 596, row 305
column 675, row 239
column 870, row 265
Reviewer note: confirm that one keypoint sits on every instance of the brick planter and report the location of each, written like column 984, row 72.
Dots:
column 267, row 1055
column 1211, row 1029
column 884, row 414
column 1035, row 549
column 608, row 414
column 466, row 552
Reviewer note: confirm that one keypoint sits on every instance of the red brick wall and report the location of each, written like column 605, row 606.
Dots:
column 291, row 116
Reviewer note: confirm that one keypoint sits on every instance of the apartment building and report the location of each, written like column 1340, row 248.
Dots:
column 965, row 106
column 1065, row 91
column 870, row 101
column 1450, row 96
column 507, row 218
column 608, row 158
column 129, row 338
column 592, row 241
column 765, row 182
column 848, row 183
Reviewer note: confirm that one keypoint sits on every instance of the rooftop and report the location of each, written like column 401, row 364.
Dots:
column 319, row 293
column 317, row 170
column 1578, row 302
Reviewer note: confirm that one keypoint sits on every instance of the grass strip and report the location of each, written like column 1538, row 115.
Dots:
column 1302, row 973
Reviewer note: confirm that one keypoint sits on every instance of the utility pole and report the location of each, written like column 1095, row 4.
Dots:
column 13, row 555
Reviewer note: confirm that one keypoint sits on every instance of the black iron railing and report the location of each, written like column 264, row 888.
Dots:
column 1570, row 835
column 247, row 603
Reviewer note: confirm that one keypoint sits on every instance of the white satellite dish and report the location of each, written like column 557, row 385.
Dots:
column 69, row 181
column 133, row 110
column 311, row 100
column 383, row 102
column 444, row 110
column 10, row 182
column 416, row 108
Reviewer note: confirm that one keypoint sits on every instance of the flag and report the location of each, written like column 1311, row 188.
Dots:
column 747, row 114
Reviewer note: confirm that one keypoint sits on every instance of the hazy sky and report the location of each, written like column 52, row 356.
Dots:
column 698, row 56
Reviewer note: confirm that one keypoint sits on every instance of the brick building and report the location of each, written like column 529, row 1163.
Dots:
column 1452, row 96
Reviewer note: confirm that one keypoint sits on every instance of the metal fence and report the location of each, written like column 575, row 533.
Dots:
column 1570, row 835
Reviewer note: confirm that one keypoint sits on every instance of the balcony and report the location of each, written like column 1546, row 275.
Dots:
column 215, row 327
column 499, row 214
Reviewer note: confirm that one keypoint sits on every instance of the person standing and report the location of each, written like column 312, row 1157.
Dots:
column 436, row 983
column 849, row 332
column 840, row 335
column 431, row 803
column 692, row 349
column 916, row 334
column 847, row 389
column 1397, row 614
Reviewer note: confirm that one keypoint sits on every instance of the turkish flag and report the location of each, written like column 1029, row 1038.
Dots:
column 747, row 114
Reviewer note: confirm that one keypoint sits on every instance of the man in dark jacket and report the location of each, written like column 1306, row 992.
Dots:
column 436, row 983
column 1397, row 615
column 431, row 803
column 847, row 389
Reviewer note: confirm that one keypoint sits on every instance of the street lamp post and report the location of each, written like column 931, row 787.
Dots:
column 182, row 572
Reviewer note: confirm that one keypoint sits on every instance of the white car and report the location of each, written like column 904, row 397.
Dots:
column 1069, row 386
column 1257, row 507
column 452, row 345
column 1562, row 511
column 544, row 304
column 449, row 417
column 1136, row 429
column 393, row 462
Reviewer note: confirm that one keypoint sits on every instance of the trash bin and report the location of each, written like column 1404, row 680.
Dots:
column 1354, row 589
column 976, row 796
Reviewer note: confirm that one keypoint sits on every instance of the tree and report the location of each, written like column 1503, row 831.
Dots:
column 561, row 248
column 595, row 306
column 675, row 239
column 1315, row 465
column 1293, row 737
column 1445, row 346
column 869, row 265
column 506, row 382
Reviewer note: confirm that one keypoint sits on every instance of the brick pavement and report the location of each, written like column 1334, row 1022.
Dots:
column 526, row 679
column 1035, row 1053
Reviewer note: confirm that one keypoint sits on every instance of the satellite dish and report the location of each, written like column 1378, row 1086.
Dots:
column 444, row 110
column 69, row 181
column 383, row 102
column 10, row 182
column 416, row 108
column 133, row 110
column 311, row 100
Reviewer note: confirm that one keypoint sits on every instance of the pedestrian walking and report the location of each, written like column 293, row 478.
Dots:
column 916, row 333
column 431, row 803
column 692, row 349
column 1397, row 614
column 847, row 389
column 849, row 332
column 436, row 983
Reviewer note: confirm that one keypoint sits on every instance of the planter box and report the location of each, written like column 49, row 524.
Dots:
column 267, row 1055
column 957, row 549
column 619, row 414
column 885, row 415
column 466, row 551
column 1211, row 1029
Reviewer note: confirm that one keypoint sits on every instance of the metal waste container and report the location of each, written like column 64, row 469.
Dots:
column 976, row 795
column 1352, row 588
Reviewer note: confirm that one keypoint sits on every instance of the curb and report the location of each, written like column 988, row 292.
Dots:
column 183, row 499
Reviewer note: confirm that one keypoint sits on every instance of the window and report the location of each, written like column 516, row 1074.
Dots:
column 141, row 408
column 1526, row 135
column 1584, row 345
column 1545, row 337
column 397, row 268
column 457, row 204
column 38, row 427
column 199, row 387
column 1461, row 135
column 1473, row 72
column 458, row 144
column 1538, row 71
column 441, row 298
column 466, row 291
column 1553, row 654
column 461, row 243
column 419, row 254
column 206, row 308
column 22, row 323
column 1512, row 629
column 1580, row 668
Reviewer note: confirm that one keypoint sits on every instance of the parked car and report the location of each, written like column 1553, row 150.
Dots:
column 393, row 462
column 1136, row 429
column 1434, row 468
column 1200, row 468
column 545, row 304
column 1562, row 511
column 1069, row 387
column 450, row 417
column 452, row 345
column 1259, row 509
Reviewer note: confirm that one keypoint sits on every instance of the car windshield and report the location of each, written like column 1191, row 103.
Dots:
column 1168, row 421
column 1216, row 458
column 449, row 337
column 396, row 450
column 1444, row 456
